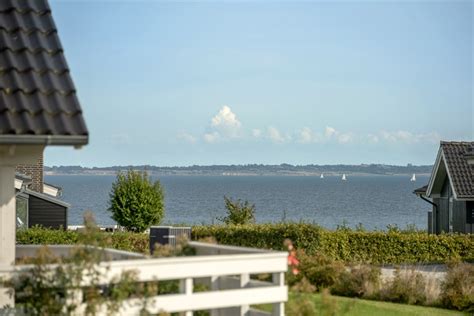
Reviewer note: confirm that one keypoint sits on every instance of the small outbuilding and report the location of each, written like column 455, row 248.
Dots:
column 450, row 190
column 35, row 208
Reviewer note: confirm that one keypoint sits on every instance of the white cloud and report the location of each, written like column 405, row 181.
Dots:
column 257, row 133
column 211, row 137
column 307, row 135
column 373, row 138
column 432, row 137
column 330, row 131
column 409, row 138
column 226, row 122
column 187, row 137
column 275, row 136
column 345, row 138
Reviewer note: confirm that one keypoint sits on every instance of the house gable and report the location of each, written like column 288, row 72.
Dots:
column 451, row 163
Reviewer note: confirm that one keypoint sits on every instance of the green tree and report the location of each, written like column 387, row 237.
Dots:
column 135, row 201
column 238, row 212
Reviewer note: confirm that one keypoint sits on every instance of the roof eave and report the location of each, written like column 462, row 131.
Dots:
column 47, row 198
column 465, row 198
column 434, row 172
column 59, row 140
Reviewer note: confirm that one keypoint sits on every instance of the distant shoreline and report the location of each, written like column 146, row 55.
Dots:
column 253, row 170
column 240, row 174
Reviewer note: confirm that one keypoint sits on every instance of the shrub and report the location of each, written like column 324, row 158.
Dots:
column 46, row 289
column 406, row 287
column 118, row 240
column 135, row 202
column 360, row 281
column 321, row 271
column 238, row 212
column 458, row 287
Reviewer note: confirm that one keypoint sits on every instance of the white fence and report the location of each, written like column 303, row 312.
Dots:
column 226, row 270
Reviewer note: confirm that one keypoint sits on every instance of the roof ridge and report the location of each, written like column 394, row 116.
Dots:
column 28, row 31
column 36, row 90
column 40, row 72
column 444, row 142
column 35, row 51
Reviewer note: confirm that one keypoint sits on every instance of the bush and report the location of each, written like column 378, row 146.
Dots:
column 118, row 240
column 135, row 202
column 458, row 287
column 319, row 270
column 360, row 281
column 238, row 212
column 407, row 287
column 46, row 289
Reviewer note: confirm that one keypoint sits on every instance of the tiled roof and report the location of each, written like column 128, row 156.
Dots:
column 421, row 191
column 38, row 102
column 461, row 173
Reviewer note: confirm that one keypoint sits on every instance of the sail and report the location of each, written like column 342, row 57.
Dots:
column 344, row 177
column 413, row 178
column 322, row 176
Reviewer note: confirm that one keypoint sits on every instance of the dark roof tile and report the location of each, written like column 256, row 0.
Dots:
column 37, row 94
column 37, row 6
column 13, row 21
column 36, row 103
column 33, row 42
column 28, row 82
column 26, row 61
column 462, row 173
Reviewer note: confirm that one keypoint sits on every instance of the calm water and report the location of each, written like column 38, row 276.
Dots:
column 374, row 201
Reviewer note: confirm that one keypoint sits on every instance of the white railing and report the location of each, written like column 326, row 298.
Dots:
column 226, row 270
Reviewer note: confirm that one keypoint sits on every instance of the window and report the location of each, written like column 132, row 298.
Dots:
column 21, row 212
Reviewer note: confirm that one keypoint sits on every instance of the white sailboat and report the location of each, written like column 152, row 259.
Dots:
column 413, row 178
column 322, row 176
column 344, row 177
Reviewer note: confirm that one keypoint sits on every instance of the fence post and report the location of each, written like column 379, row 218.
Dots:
column 244, row 281
column 186, row 287
column 278, row 308
column 215, row 287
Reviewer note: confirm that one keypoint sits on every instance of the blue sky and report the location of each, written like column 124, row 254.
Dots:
column 183, row 83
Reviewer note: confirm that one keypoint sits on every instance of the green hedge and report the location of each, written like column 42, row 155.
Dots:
column 347, row 245
column 119, row 240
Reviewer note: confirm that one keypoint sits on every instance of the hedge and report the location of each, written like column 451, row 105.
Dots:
column 346, row 245
column 119, row 240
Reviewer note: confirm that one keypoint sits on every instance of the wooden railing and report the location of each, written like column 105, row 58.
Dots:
column 226, row 271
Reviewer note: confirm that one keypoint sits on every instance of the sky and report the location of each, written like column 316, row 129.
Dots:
column 236, row 82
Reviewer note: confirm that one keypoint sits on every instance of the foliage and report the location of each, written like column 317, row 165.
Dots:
column 408, row 287
column 128, row 241
column 458, row 287
column 347, row 245
column 360, row 281
column 321, row 271
column 57, row 289
column 238, row 212
column 135, row 202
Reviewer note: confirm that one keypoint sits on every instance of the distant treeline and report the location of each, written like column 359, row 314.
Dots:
column 251, row 169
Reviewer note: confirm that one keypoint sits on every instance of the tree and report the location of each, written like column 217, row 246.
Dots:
column 238, row 212
column 135, row 201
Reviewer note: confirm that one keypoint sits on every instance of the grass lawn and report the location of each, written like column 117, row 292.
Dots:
column 336, row 305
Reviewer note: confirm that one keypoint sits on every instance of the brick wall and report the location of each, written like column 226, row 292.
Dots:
column 34, row 171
